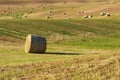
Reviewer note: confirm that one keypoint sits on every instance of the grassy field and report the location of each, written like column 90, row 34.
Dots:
column 77, row 48
column 67, row 40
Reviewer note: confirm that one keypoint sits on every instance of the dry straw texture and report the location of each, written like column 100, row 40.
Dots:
column 35, row 44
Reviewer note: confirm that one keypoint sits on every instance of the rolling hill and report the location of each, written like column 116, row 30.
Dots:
column 24, row 1
column 78, row 48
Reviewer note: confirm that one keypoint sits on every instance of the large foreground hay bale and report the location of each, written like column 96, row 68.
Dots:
column 35, row 44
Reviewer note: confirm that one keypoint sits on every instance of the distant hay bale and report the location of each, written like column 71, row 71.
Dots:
column 65, row 2
column 48, row 17
column 26, row 16
column 9, row 8
column 90, row 16
column 2, row 13
column 108, row 14
column 102, row 13
column 38, row 6
column 35, row 44
column 79, row 12
column 32, row 8
column 82, row 11
column 43, row 7
column 30, row 12
column 51, row 8
column 85, row 16
column 51, row 14
column 64, row 13
column 7, row 14
column 50, row 11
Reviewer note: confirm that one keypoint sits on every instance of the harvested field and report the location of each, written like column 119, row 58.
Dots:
column 77, row 48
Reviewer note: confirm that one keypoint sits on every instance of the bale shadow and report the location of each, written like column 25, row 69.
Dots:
column 62, row 53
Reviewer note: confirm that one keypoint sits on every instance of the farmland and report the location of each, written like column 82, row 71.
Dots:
column 77, row 48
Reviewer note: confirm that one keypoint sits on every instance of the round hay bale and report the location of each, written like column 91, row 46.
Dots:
column 50, row 11
column 102, row 13
column 48, row 17
column 90, row 16
column 35, row 44
column 51, row 8
column 51, row 14
column 79, row 12
column 82, row 11
column 64, row 13
column 32, row 8
column 65, row 2
column 108, row 14
column 38, row 6
column 26, row 16
column 85, row 16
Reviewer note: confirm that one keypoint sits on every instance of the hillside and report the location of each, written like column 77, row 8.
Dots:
column 75, row 32
column 71, row 10
column 49, row 1
column 78, row 47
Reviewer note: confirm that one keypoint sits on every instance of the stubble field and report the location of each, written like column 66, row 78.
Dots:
column 77, row 48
